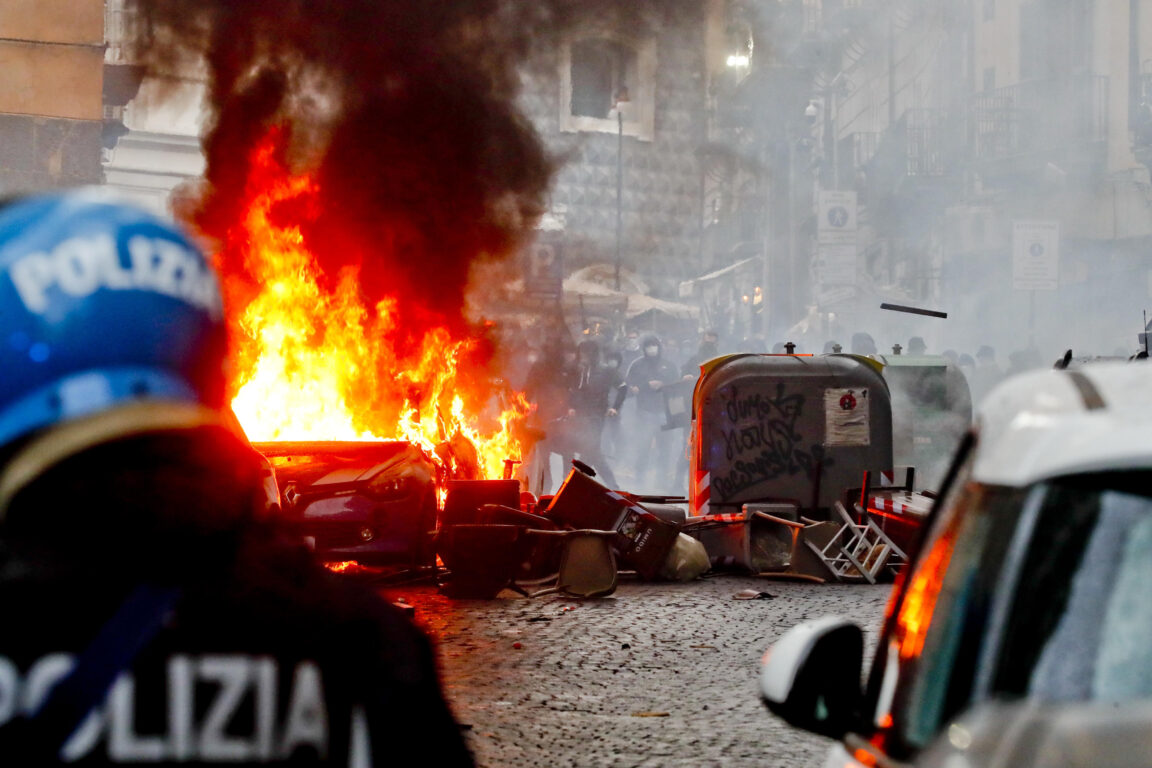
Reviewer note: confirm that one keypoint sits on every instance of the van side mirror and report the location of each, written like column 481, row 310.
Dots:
column 811, row 676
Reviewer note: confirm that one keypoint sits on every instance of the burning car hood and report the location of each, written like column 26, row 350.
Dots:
column 332, row 466
column 366, row 501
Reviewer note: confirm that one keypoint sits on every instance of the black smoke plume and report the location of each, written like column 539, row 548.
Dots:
column 405, row 112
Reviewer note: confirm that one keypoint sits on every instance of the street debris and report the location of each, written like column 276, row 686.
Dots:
column 650, row 714
column 579, row 538
column 687, row 561
column 752, row 594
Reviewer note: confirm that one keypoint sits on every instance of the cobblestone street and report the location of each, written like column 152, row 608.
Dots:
column 656, row 675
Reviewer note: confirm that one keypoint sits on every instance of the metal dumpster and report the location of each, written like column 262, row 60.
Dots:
column 931, row 411
column 792, row 429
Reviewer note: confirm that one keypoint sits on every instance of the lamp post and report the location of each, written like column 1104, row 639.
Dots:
column 621, row 100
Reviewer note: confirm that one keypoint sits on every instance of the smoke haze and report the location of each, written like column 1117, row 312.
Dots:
column 405, row 113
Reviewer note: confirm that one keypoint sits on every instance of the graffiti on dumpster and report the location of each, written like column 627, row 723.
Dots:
column 761, row 440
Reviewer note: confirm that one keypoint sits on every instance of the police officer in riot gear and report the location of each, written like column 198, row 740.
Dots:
column 646, row 378
column 153, row 613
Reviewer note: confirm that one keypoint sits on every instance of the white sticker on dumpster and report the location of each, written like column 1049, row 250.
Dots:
column 846, row 417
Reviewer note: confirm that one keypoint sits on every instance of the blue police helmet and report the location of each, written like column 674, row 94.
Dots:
column 103, row 306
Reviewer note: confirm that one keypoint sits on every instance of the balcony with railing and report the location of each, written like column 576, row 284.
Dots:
column 913, row 157
column 1021, row 128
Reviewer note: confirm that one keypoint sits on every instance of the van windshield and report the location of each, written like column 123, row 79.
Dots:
column 1080, row 628
column 1077, row 625
column 940, row 631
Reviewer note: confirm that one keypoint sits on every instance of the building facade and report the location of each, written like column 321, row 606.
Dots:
column 1056, row 138
column 786, row 165
column 626, row 115
column 157, row 146
column 984, row 157
column 51, row 93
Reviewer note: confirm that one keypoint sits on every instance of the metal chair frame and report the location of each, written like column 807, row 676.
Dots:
column 858, row 551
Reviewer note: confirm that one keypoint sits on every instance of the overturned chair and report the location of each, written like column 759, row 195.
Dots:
column 587, row 564
column 519, row 548
column 851, row 550
column 763, row 539
column 769, row 540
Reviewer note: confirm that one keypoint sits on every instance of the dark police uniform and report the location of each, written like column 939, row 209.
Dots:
column 260, row 656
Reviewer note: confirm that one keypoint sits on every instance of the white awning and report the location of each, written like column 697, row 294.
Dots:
column 687, row 288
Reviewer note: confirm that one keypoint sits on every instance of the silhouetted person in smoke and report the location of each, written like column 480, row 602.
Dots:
column 754, row 344
column 916, row 346
column 617, row 393
column 688, row 350
column 588, row 407
column 597, row 334
column 862, row 344
column 647, row 377
column 549, row 382
column 520, row 362
column 1022, row 360
column 679, row 400
column 708, row 349
column 985, row 375
column 671, row 352
column 630, row 349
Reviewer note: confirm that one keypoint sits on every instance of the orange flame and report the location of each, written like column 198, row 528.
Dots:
column 915, row 615
column 319, row 364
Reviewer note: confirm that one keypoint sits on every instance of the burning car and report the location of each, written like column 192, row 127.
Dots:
column 374, row 502
column 359, row 411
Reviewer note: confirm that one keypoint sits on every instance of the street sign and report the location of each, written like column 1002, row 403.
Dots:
column 1035, row 255
column 836, row 264
column 836, row 217
column 544, row 268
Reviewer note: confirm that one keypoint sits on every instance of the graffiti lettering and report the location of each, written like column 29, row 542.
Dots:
column 767, row 465
column 764, row 442
column 757, row 407
column 737, row 441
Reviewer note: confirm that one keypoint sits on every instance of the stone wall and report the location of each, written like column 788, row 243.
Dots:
column 51, row 93
column 45, row 152
column 661, row 201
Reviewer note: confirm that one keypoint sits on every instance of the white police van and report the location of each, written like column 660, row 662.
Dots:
column 1031, row 582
